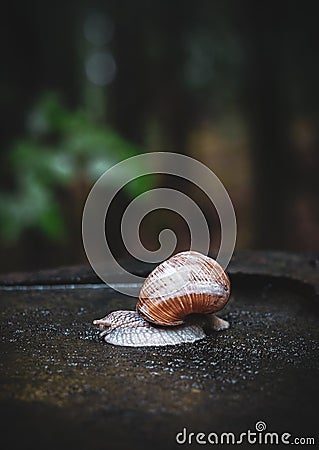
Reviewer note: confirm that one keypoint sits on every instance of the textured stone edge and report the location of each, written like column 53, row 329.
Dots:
column 302, row 268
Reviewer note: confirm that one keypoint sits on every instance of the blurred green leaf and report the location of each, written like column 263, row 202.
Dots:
column 51, row 222
column 60, row 148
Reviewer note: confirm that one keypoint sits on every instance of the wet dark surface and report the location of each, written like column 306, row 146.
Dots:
column 63, row 388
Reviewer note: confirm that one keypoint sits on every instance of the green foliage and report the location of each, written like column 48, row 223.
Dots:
column 60, row 148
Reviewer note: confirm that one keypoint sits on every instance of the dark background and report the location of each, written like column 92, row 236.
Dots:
column 85, row 84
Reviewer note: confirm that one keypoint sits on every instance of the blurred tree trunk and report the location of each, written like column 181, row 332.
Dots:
column 128, row 96
column 151, row 60
column 261, row 27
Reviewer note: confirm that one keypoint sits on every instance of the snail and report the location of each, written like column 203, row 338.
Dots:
column 177, row 301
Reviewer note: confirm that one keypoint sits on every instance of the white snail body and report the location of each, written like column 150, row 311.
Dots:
column 187, row 283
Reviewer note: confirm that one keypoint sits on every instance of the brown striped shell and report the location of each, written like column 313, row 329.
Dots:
column 186, row 283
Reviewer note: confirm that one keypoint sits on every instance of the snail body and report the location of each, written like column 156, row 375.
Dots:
column 128, row 328
column 187, row 283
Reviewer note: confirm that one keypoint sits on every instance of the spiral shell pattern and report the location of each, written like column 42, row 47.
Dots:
column 186, row 283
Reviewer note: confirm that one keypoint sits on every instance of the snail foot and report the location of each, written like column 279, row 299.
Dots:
column 218, row 324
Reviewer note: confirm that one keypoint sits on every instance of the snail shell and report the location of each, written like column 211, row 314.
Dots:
column 185, row 284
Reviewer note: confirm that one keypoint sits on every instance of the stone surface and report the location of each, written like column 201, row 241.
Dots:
column 63, row 388
column 301, row 268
